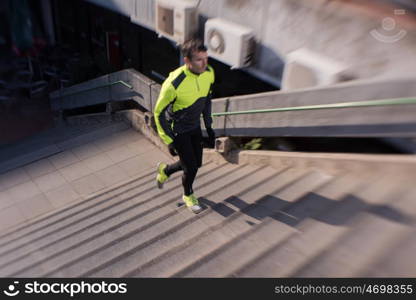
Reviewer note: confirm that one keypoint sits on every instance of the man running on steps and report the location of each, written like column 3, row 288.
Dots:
column 185, row 95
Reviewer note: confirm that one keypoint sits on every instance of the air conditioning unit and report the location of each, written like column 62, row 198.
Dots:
column 230, row 43
column 176, row 19
column 304, row 68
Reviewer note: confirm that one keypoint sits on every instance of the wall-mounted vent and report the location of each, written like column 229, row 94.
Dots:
column 176, row 19
column 304, row 68
column 230, row 43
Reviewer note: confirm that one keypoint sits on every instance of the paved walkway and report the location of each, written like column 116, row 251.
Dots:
column 72, row 175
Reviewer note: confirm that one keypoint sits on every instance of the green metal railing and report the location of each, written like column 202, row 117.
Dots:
column 383, row 102
column 99, row 87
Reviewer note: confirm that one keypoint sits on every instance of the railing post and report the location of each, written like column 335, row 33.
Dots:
column 226, row 107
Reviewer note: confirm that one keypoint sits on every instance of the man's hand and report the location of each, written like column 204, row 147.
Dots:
column 172, row 149
column 211, row 137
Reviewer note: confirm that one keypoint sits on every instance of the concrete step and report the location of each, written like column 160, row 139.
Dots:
column 240, row 249
column 72, row 214
column 395, row 260
column 121, row 138
column 106, row 212
column 235, row 215
column 307, row 214
column 259, row 221
column 65, row 223
column 33, row 191
column 119, row 257
column 227, row 219
column 368, row 231
column 146, row 204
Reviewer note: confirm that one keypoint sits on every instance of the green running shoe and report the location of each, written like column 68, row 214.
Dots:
column 161, row 175
column 192, row 203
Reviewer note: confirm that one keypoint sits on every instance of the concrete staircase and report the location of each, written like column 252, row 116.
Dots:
column 259, row 221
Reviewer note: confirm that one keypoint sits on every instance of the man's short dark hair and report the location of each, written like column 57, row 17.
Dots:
column 191, row 46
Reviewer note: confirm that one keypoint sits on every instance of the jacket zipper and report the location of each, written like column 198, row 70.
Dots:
column 197, row 84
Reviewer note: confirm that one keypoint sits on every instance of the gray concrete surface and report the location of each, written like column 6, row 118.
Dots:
column 93, row 211
column 340, row 30
column 375, row 121
column 36, row 181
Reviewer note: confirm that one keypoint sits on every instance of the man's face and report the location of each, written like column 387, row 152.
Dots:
column 198, row 63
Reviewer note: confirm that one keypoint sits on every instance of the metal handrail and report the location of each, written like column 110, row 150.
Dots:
column 383, row 102
column 98, row 87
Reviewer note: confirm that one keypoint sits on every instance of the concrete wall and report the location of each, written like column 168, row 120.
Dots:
column 374, row 121
column 105, row 89
column 395, row 120
column 341, row 30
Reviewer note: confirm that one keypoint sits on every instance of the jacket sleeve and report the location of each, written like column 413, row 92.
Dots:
column 206, row 113
column 167, row 96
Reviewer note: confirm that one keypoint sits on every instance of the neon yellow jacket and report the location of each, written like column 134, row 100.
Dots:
column 183, row 98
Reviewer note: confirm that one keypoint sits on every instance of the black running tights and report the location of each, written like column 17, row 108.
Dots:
column 188, row 145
